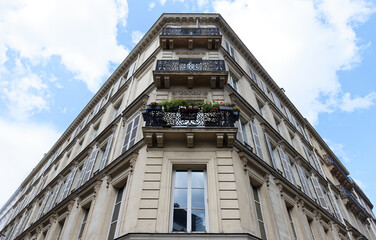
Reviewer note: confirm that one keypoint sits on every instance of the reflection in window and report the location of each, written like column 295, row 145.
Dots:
column 189, row 208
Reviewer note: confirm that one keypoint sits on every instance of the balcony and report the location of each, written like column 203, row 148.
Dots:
column 190, row 73
column 338, row 172
column 191, row 127
column 190, row 38
column 351, row 203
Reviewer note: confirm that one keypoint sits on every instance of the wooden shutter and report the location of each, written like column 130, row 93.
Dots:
column 308, row 156
column 68, row 184
column 256, row 140
column 103, row 161
column 263, row 85
column 286, row 166
column 116, row 86
column 130, row 72
column 131, row 134
column 52, row 200
column 333, row 201
column 272, row 157
column 43, row 205
column 227, row 46
column 290, row 117
column 277, row 102
column 90, row 165
column 97, row 107
column 239, row 134
column 78, row 184
column 317, row 163
column 319, row 192
column 303, row 180
column 253, row 75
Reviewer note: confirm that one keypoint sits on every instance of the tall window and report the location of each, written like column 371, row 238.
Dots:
column 234, row 82
column 189, row 201
column 82, row 228
column 310, row 229
column 260, row 218
column 61, row 225
column 131, row 134
column 292, row 222
column 115, row 213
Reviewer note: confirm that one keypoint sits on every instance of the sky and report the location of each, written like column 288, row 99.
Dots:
column 54, row 55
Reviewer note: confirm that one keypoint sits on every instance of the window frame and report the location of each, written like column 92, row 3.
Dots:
column 121, row 203
column 189, row 201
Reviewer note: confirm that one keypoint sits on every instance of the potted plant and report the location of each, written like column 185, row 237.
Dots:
column 226, row 106
column 236, row 111
column 154, row 106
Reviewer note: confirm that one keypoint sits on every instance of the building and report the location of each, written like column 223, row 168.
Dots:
column 186, row 172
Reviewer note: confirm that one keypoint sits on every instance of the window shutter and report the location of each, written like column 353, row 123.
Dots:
column 97, row 107
column 253, row 75
column 25, row 221
column 234, row 84
column 276, row 101
column 43, row 205
column 116, row 86
column 335, row 206
column 68, row 184
column 319, row 192
column 286, row 166
column 307, row 155
column 106, row 153
column 227, row 46
column 290, row 117
column 131, row 134
column 256, row 140
column 263, row 85
column 239, row 134
column 130, row 72
column 317, row 163
column 232, row 52
column 90, row 164
column 272, row 157
column 82, row 173
column 53, row 197
column 303, row 179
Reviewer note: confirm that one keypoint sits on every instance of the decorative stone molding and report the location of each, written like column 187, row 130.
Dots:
column 108, row 181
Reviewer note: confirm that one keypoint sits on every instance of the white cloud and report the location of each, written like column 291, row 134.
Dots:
column 339, row 150
column 151, row 6
column 83, row 37
column 22, row 147
column 136, row 36
column 26, row 94
column 360, row 184
column 349, row 105
column 202, row 3
column 302, row 44
column 162, row 2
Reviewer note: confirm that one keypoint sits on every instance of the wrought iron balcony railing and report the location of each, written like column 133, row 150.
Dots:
column 190, row 32
column 159, row 118
column 190, row 66
column 345, row 193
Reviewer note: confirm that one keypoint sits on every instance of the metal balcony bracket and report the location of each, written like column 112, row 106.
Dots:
column 190, row 139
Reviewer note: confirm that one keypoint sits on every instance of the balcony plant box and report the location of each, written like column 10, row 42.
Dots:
column 226, row 108
column 154, row 107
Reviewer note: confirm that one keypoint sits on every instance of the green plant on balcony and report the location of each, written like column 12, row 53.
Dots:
column 173, row 104
column 154, row 106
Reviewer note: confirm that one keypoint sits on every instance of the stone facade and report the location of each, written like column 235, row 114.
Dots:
column 110, row 175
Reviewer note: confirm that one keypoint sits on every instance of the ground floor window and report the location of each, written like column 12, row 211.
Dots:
column 189, row 205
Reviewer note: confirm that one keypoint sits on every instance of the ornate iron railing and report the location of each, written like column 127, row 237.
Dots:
column 161, row 118
column 190, row 66
column 190, row 32
column 344, row 192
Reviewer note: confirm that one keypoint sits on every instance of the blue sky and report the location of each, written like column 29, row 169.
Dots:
column 55, row 54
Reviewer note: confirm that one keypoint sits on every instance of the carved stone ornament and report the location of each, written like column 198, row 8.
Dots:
column 132, row 163
column 78, row 201
column 53, row 218
column 245, row 163
column 108, row 181
column 39, row 229
column 267, row 179
column 190, row 53
column 97, row 186
column 189, row 93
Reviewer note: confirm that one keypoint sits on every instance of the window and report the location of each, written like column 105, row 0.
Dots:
column 61, row 225
column 292, row 222
column 116, row 113
column 95, row 131
column 260, row 106
column 278, row 126
column 105, row 150
column 304, row 181
column 230, row 49
column 68, row 184
column 292, row 137
column 83, row 223
column 244, row 132
column 234, row 82
column 271, row 151
column 252, row 74
column 277, row 102
column 256, row 140
column 319, row 192
column 260, row 218
column 131, row 133
column 115, row 213
column 310, row 228
column 286, row 165
column 189, row 205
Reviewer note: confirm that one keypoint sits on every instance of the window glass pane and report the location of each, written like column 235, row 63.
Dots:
column 180, row 198
column 197, row 179
column 111, row 234
column 180, row 220
column 198, row 220
column 116, row 212
column 258, row 209
column 262, row 230
column 181, row 179
column 198, row 198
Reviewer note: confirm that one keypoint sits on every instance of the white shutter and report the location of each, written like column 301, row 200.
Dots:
column 131, row 134
column 317, row 163
column 232, row 52
column 22, row 227
column 272, row 157
column 276, row 101
column 308, row 156
column 90, row 165
column 319, row 192
column 239, row 134
column 303, row 180
column 290, row 117
column 234, row 84
column 335, row 206
column 116, row 86
column 52, row 200
column 263, row 85
column 252, row 74
column 97, row 107
column 227, row 46
column 286, row 166
column 103, row 161
column 82, row 173
column 43, row 205
column 85, row 121
column 68, row 184
column 130, row 72
column 256, row 140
